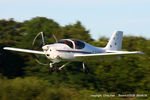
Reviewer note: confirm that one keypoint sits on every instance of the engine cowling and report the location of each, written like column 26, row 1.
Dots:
column 51, row 53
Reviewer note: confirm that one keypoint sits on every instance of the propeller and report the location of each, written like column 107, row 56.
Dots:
column 43, row 41
column 39, row 58
column 55, row 38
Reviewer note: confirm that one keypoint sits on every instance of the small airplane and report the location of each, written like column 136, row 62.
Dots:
column 75, row 50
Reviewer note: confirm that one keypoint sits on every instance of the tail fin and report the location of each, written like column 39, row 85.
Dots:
column 115, row 42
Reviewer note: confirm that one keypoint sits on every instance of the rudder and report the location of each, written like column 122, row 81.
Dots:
column 115, row 42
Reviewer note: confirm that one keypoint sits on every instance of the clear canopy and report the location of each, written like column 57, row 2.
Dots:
column 72, row 42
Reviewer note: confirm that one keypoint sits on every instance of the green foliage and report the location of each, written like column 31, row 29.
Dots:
column 39, row 24
column 125, row 74
column 10, row 32
column 32, row 88
column 11, row 64
column 76, row 31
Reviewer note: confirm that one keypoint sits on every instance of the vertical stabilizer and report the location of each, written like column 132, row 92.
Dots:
column 115, row 42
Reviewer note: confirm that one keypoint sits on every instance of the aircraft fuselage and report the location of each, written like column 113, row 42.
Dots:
column 61, row 51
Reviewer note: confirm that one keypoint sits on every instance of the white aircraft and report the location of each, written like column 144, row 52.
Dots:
column 75, row 50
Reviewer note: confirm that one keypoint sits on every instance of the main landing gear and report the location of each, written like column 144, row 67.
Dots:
column 85, row 69
column 54, row 68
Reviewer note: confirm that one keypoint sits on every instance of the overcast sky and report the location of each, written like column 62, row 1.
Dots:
column 101, row 17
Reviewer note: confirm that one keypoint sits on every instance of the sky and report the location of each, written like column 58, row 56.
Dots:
column 100, row 17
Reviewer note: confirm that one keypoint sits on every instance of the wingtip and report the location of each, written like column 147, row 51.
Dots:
column 142, row 53
column 4, row 48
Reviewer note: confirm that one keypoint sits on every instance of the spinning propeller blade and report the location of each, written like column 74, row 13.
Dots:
column 42, row 43
column 55, row 38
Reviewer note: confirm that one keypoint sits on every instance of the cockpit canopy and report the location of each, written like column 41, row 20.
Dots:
column 72, row 43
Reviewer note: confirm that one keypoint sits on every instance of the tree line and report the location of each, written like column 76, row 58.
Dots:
column 21, row 77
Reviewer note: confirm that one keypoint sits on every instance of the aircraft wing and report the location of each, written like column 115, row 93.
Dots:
column 23, row 50
column 108, row 54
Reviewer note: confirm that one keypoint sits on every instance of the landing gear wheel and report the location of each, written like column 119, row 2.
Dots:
column 57, row 69
column 52, row 69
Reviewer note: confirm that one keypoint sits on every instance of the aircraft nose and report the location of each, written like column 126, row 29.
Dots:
column 45, row 48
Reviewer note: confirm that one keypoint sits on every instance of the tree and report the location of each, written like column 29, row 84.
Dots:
column 39, row 24
column 125, row 74
column 11, row 64
column 77, row 31
column 10, row 32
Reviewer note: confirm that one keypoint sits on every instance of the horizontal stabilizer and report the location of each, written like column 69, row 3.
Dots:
column 113, row 51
